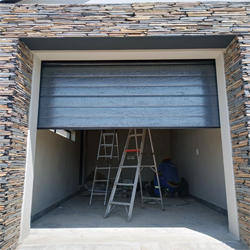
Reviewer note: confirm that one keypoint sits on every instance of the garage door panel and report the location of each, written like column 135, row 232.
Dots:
column 155, row 81
column 78, row 102
column 128, row 94
column 152, row 112
column 107, row 69
column 142, row 122
column 129, row 91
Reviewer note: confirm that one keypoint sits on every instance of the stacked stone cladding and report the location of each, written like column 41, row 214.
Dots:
column 119, row 20
column 15, row 86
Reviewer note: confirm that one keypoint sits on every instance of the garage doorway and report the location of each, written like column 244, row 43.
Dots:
column 156, row 94
column 60, row 202
column 74, row 128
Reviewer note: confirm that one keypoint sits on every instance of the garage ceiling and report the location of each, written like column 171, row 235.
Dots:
column 128, row 43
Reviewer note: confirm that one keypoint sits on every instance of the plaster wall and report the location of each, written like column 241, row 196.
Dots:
column 204, row 171
column 56, row 171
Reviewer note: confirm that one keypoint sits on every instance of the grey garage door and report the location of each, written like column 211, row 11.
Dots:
column 132, row 94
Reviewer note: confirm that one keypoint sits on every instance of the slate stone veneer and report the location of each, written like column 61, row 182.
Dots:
column 148, row 19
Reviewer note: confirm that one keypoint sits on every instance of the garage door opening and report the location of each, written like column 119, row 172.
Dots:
column 174, row 98
column 64, row 166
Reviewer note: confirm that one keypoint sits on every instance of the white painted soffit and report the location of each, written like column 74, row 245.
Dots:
column 118, row 2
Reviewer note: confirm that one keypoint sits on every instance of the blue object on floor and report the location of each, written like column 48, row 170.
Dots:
column 169, row 174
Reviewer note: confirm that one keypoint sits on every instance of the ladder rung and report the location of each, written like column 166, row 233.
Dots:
column 148, row 166
column 105, row 168
column 95, row 193
column 128, row 166
column 107, row 156
column 124, row 184
column 135, row 135
column 120, row 203
column 107, row 145
column 108, row 134
column 100, row 180
column 132, row 150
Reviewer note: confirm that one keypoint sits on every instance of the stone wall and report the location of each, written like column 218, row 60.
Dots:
column 237, row 101
column 15, row 85
column 149, row 19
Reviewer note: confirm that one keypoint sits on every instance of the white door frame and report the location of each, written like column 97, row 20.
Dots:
column 217, row 54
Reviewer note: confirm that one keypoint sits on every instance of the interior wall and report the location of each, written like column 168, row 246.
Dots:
column 161, row 143
column 204, row 172
column 56, row 172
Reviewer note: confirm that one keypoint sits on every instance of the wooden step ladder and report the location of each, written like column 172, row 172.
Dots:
column 108, row 149
column 139, row 153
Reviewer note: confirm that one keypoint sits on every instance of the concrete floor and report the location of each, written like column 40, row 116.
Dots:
column 185, row 224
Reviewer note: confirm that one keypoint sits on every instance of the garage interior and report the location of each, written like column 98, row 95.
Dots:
column 196, row 153
column 180, row 107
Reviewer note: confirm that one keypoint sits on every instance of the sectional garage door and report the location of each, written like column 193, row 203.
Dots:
column 128, row 94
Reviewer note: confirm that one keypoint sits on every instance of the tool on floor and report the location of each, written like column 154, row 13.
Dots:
column 105, row 150
column 138, row 168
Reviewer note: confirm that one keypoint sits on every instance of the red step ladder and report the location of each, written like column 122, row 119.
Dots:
column 139, row 153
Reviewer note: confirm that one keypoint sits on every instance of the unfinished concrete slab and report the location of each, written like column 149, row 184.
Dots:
column 185, row 224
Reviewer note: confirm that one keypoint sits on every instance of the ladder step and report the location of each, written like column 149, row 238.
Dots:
column 107, row 145
column 108, row 134
column 102, row 168
column 105, row 168
column 128, row 166
column 132, row 150
column 107, row 156
column 148, row 166
column 120, row 203
column 132, row 135
column 100, row 180
column 124, row 184
column 95, row 193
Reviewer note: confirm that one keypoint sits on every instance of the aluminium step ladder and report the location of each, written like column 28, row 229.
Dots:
column 108, row 150
column 139, row 153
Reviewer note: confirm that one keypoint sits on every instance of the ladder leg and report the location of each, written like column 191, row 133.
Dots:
column 117, row 147
column 97, row 158
column 136, row 176
column 130, row 211
column 109, row 167
column 93, row 184
column 117, row 150
column 155, row 166
column 109, row 209
column 142, row 203
column 107, row 186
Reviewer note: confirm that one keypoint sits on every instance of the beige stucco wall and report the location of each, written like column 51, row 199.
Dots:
column 56, row 172
column 204, row 171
